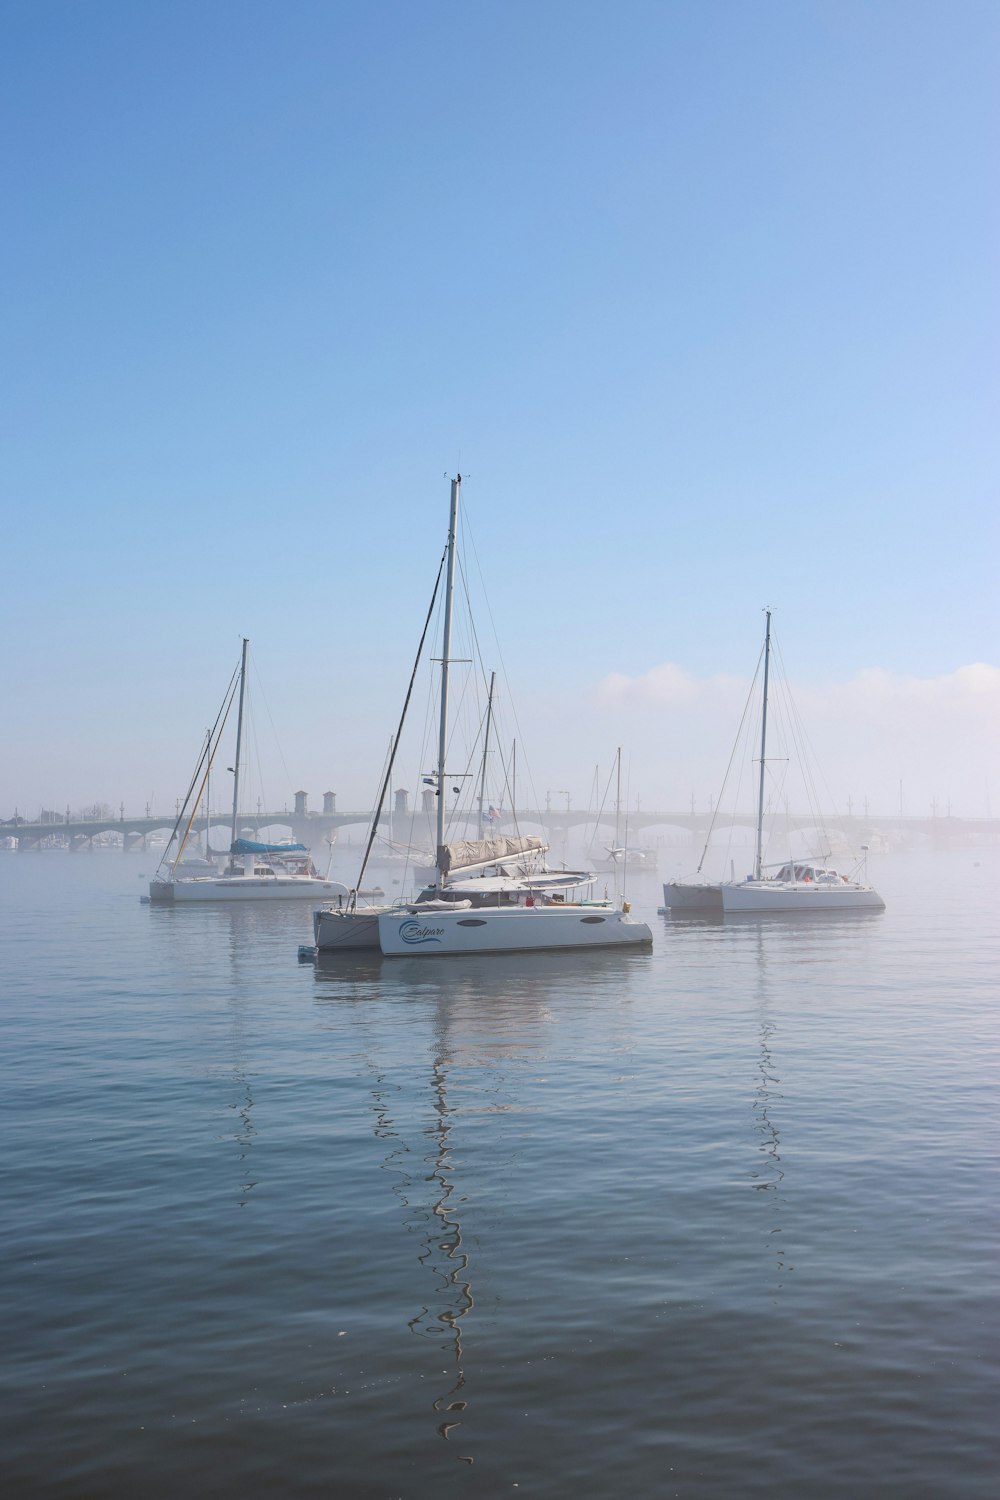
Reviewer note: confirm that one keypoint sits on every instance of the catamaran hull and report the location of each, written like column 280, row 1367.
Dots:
column 334, row 930
column 804, row 897
column 692, row 897
column 508, row 930
column 244, row 888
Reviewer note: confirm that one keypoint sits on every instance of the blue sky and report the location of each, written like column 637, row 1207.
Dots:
column 701, row 297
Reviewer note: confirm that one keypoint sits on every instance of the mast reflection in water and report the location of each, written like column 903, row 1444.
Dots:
column 443, row 1252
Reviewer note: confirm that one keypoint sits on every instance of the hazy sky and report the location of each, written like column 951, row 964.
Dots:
column 702, row 297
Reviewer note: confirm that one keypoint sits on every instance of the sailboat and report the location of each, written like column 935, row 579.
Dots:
column 620, row 855
column 255, row 871
column 502, row 870
column 796, row 886
column 525, row 908
column 800, row 885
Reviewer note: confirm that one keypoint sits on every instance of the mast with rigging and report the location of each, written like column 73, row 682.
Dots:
column 239, row 741
column 449, row 599
column 757, row 866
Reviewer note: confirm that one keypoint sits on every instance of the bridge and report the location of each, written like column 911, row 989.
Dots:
column 315, row 828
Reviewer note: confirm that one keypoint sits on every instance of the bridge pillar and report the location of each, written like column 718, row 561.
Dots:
column 301, row 798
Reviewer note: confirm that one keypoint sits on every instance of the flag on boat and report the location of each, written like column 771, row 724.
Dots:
column 492, row 814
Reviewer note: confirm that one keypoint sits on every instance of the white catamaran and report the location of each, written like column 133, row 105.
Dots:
column 496, row 895
column 255, row 871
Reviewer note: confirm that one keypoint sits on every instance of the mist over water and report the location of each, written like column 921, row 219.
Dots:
column 717, row 1219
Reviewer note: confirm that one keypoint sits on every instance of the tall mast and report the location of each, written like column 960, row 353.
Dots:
column 763, row 746
column 449, row 597
column 486, row 746
column 208, row 799
column 239, row 741
column 388, row 779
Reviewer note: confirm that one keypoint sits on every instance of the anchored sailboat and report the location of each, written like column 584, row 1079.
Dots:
column 495, row 895
column 255, row 871
column 799, row 885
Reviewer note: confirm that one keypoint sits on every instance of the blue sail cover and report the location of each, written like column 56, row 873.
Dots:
column 247, row 846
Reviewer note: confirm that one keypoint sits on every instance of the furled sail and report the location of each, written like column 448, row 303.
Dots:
column 469, row 853
column 247, row 846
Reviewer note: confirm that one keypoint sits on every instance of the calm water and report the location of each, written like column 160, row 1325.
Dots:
column 715, row 1221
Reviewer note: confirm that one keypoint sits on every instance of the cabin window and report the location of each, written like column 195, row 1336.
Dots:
column 591, row 919
column 472, row 922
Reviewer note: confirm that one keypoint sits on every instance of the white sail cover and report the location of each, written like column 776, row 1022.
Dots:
column 471, row 852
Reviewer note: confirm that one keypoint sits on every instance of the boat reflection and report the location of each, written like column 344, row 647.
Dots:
column 244, row 1103
column 769, row 1173
column 508, row 983
column 435, row 1218
column 481, row 1014
column 774, row 921
column 444, row 1254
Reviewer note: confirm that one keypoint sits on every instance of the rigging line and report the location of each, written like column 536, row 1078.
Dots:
column 385, row 763
column 736, row 742
column 600, row 811
column 628, row 793
column 255, row 741
column 592, row 795
column 274, row 731
column 402, row 720
column 227, row 699
column 745, row 764
column 467, row 529
column 808, row 754
column 796, row 744
column 204, row 779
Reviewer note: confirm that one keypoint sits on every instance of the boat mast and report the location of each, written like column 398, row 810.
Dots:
column 208, row 800
column 449, row 597
column 486, row 746
column 388, row 782
column 757, row 867
column 239, row 742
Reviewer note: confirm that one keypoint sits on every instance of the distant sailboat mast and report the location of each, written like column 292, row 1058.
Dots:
column 486, row 748
column 757, row 866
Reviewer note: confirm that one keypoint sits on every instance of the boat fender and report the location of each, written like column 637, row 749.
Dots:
column 626, row 907
column 529, row 900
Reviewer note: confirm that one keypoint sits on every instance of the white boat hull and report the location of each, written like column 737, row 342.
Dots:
column 799, row 896
column 334, row 930
column 694, row 897
column 244, row 888
column 515, row 929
